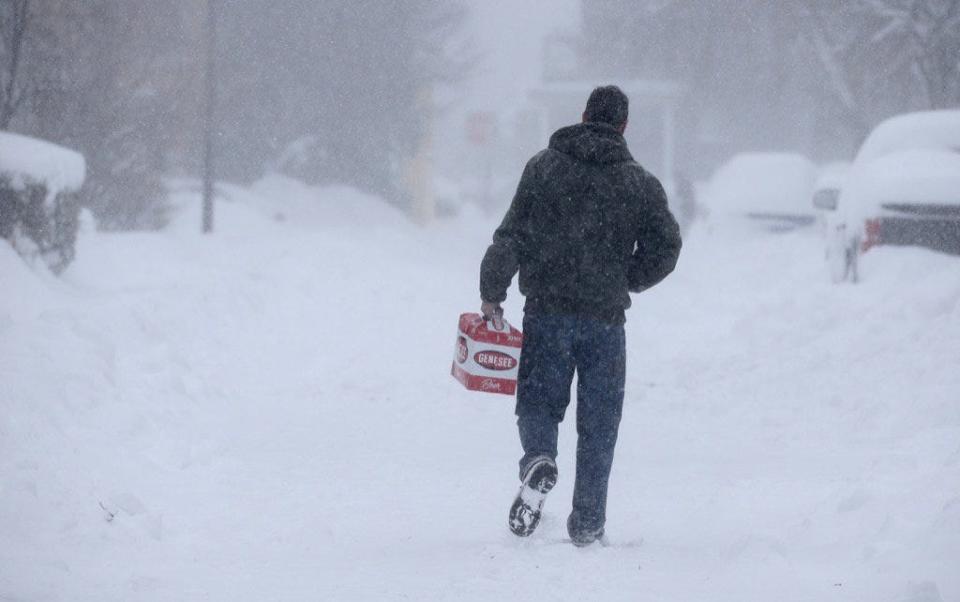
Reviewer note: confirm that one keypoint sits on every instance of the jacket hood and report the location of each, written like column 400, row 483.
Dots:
column 591, row 143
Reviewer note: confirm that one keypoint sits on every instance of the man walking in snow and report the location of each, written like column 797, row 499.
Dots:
column 587, row 226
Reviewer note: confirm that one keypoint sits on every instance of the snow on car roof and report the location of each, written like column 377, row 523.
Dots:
column 779, row 183
column 935, row 130
column 832, row 175
column 24, row 159
column 910, row 176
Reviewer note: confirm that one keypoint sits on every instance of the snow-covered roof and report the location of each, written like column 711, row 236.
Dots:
column 910, row 176
column 779, row 183
column 24, row 159
column 934, row 130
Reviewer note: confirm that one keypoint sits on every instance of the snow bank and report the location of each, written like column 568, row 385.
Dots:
column 324, row 206
column 24, row 160
column 773, row 183
column 932, row 130
column 277, row 201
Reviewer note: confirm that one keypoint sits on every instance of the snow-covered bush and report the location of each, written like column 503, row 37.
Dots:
column 39, row 205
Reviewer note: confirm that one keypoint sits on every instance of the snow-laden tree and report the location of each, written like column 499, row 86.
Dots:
column 341, row 85
column 922, row 36
column 332, row 91
column 885, row 56
column 117, row 81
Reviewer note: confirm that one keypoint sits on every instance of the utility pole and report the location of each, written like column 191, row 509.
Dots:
column 210, row 84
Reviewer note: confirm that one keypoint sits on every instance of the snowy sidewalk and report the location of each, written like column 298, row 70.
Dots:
column 266, row 414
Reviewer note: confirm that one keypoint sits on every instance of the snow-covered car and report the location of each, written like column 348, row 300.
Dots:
column 903, row 189
column 772, row 190
column 826, row 189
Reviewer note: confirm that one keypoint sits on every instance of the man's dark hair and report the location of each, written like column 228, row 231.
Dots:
column 607, row 104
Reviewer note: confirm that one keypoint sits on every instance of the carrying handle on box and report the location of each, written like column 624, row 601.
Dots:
column 496, row 321
column 492, row 315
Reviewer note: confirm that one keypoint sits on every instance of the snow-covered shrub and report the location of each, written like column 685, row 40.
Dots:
column 39, row 205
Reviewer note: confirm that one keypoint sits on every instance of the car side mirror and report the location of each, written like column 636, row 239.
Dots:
column 826, row 199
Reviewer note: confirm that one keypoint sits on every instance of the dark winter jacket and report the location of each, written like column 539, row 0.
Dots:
column 587, row 226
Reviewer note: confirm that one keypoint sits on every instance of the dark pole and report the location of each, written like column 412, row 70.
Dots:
column 208, row 129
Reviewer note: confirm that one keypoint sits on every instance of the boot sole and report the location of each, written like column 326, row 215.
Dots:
column 528, row 505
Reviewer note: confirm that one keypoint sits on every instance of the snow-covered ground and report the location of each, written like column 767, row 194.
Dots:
column 266, row 414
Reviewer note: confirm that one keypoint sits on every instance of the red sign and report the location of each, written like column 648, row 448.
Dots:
column 495, row 360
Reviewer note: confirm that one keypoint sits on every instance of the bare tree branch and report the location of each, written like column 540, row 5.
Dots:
column 816, row 31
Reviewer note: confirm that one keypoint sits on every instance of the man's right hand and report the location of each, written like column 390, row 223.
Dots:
column 493, row 312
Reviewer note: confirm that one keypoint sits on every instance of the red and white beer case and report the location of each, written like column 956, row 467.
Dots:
column 486, row 359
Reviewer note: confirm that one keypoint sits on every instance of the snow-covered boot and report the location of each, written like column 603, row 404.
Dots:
column 540, row 477
column 581, row 537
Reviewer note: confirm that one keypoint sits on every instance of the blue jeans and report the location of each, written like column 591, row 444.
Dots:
column 554, row 347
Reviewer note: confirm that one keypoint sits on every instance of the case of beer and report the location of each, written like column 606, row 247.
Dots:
column 486, row 359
